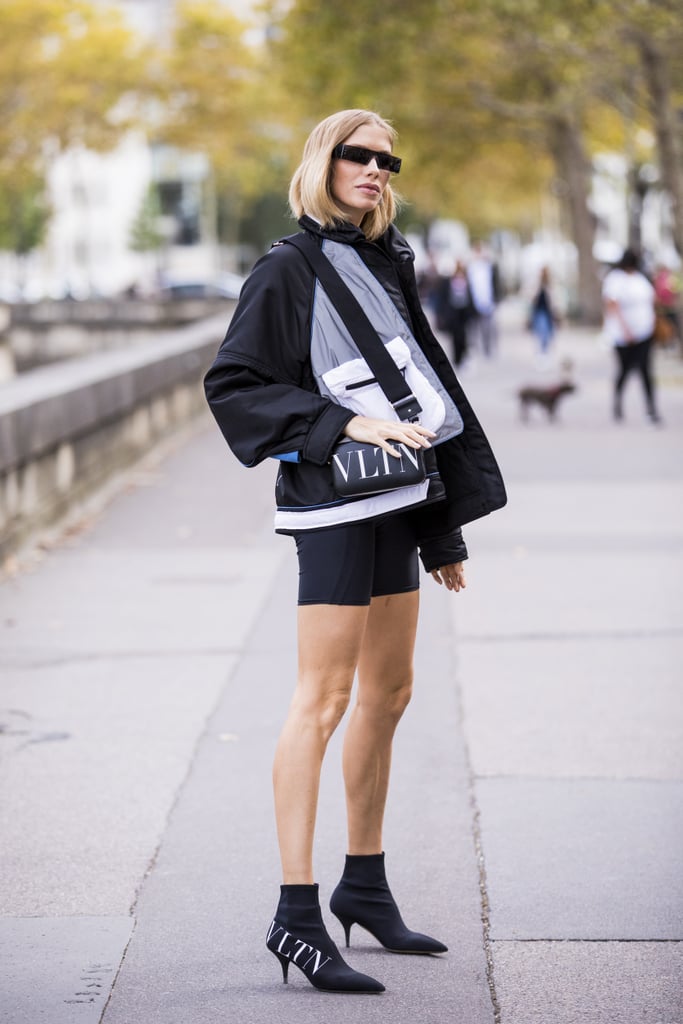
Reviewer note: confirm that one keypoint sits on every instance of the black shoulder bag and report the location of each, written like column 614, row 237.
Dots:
column 359, row 468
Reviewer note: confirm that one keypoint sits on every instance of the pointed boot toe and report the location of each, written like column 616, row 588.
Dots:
column 363, row 897
column 297, row 935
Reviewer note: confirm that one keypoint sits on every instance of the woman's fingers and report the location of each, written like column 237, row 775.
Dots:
column 383, row 432
column 413, row 437
column 452, row 576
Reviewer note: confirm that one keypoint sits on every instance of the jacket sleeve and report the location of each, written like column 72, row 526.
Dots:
column 439, row 541
column 260, row 389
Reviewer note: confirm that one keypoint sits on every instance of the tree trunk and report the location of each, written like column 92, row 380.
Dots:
column 668, row 145
column 573, row 168
column 670, row 163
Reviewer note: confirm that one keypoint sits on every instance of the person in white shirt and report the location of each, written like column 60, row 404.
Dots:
column 629, row 303
column 482, row 278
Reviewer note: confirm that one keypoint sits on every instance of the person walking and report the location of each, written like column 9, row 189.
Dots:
column 542, row 315
column 629, row 303
column 289, row 382
column 454, row 310
column 482, row 275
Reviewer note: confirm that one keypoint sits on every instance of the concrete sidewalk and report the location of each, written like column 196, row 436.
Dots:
column 536, row 814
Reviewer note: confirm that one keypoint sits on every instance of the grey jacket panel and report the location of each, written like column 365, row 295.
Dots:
column 332, row 345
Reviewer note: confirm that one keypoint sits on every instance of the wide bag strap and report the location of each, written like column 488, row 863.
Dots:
column 389, row 377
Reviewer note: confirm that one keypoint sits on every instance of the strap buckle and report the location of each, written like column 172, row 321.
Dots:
column 408, row 408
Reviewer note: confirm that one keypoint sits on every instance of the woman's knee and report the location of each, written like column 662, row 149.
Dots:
column 322, row 707
column 400, row 697
column 387, row 701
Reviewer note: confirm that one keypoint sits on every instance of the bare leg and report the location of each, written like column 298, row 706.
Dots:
column 330, row 638
column 385, row 671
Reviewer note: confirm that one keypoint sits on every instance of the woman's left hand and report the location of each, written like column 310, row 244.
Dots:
column 452, row 575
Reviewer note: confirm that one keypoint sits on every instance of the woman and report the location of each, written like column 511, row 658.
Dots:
column 454, row 309
column 358, row 567
column 629, row 301
column 542, row 318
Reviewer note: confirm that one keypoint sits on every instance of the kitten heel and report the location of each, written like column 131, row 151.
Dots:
column 298, row 935
column 363, row 897
column 284, row 964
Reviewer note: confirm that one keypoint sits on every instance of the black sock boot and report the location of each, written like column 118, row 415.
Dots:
column 363, row 897
column 298, row 934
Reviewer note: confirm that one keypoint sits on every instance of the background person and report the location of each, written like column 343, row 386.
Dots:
column 542, row 315
column 454, row 310
column 629, row 302
column 482, row 275
column 358, row 559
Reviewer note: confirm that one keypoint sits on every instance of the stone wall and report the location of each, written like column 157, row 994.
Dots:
column 37, row 334
column 66, row 429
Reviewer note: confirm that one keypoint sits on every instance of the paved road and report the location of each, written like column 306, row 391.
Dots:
column 536, row 814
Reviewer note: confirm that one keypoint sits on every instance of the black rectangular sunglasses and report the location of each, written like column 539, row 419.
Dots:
column 361, row 155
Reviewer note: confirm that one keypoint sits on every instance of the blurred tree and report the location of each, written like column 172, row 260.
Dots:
column 498, row 99
column 24, row 215
column 543, row 83
column 146, row 234
column 654, row 30
column 262, row 220
column 487, row 91
column 215, row 99
column 67, row 71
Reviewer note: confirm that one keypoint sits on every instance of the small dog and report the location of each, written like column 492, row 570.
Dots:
column 547, row 397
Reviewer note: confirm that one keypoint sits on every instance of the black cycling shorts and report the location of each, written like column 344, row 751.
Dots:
column 352, row 563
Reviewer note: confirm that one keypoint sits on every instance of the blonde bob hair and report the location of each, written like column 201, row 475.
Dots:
column 310, row 190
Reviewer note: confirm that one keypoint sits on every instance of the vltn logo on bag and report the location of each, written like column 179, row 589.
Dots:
column 360, row 463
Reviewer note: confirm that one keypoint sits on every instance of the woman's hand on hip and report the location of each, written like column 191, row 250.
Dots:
column 452, row 575
column 383, row 432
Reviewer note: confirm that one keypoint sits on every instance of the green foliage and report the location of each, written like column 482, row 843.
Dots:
column 24, row 215
column 479, row 89
column 475, row 86
column 65, row 66
column 429, row 66
column 146, row 234
column 215, row 96
column 267, row 219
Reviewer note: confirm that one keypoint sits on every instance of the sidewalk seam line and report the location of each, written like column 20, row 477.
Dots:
column 118, row 970
column 202, row 734
column 478, row 851
column 595, row 942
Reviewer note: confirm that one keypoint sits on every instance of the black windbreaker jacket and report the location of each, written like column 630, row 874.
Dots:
column 263, row 394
